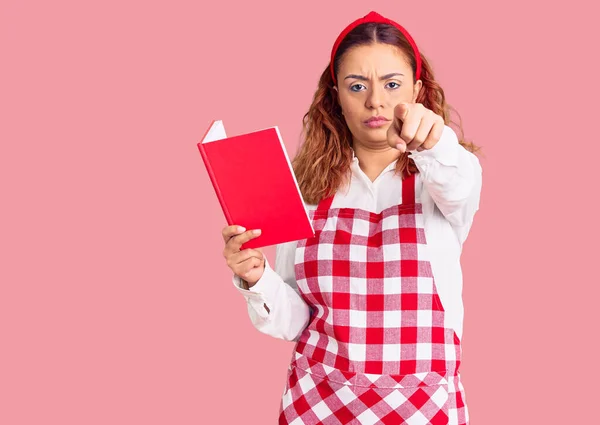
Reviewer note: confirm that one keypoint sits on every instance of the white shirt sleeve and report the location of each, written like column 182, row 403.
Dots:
column 288, row 313
column 452, row 176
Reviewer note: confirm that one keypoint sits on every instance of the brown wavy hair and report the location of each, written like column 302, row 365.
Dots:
column 322, row 163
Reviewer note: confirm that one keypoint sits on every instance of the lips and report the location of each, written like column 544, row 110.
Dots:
column 376, row 122
column 379, row 118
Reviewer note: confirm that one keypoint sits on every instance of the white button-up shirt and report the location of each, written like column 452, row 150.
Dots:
column 448, row 185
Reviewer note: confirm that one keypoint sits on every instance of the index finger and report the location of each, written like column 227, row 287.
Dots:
column 401, row 110
column 230, row 231
column 393, row 135
column 235, row 242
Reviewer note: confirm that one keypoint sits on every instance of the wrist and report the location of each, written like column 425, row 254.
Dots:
column 245, row 284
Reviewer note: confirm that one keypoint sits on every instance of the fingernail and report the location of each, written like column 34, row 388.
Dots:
column 400, row 147
column 256, row 232
column 241, row 229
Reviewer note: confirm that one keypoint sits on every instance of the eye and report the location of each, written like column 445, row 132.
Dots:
column 353, row 87
column 392, row 82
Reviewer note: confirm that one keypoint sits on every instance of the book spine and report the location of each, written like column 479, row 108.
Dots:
column 213, row 179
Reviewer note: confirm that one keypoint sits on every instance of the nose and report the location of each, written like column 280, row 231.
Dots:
column 375, row 97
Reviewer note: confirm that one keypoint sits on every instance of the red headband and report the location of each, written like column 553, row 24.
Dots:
column 375, row 17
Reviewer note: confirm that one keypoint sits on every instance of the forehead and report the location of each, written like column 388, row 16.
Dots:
column 378, row 56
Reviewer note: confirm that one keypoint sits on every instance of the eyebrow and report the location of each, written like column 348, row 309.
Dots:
column 385, row 77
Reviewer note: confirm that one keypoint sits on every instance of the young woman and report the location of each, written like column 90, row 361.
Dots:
column 374, row 300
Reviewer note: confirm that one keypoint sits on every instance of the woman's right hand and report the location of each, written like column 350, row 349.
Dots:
column 248, row 264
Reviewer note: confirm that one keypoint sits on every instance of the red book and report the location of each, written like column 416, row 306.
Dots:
column 255, row 184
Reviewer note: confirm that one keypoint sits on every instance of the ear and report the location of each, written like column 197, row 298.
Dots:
column 416, row 90
column 337, row 92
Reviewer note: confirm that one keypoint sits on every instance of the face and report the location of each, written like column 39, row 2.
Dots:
column 372, row 80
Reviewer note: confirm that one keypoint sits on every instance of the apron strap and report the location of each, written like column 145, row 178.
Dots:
column 325, row 203
column 408, row 190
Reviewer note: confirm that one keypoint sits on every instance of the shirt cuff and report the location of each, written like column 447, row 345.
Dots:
column 445, row 150
column 262, row 291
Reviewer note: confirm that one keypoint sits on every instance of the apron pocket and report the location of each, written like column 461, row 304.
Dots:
column 309, row 396
column 422, row 397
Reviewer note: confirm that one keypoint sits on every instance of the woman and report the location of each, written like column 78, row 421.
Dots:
column 373, row 300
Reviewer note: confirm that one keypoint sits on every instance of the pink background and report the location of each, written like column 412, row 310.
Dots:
column 116, row 305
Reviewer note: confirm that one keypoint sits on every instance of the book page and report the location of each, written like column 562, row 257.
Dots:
column 216, row 132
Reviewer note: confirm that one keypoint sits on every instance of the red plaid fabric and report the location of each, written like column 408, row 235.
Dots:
column 377, row 349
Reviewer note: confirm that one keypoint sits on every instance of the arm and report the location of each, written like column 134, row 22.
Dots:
column 452, row 176
column 275, row 306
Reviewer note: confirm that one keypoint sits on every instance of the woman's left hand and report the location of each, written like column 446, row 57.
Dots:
column 414, row 127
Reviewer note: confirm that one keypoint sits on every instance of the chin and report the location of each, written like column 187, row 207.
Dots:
column 375, row 135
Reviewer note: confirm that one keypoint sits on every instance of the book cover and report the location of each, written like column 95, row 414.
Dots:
column 254, row 182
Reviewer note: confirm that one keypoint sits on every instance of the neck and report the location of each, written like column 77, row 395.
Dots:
column 374, row 159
